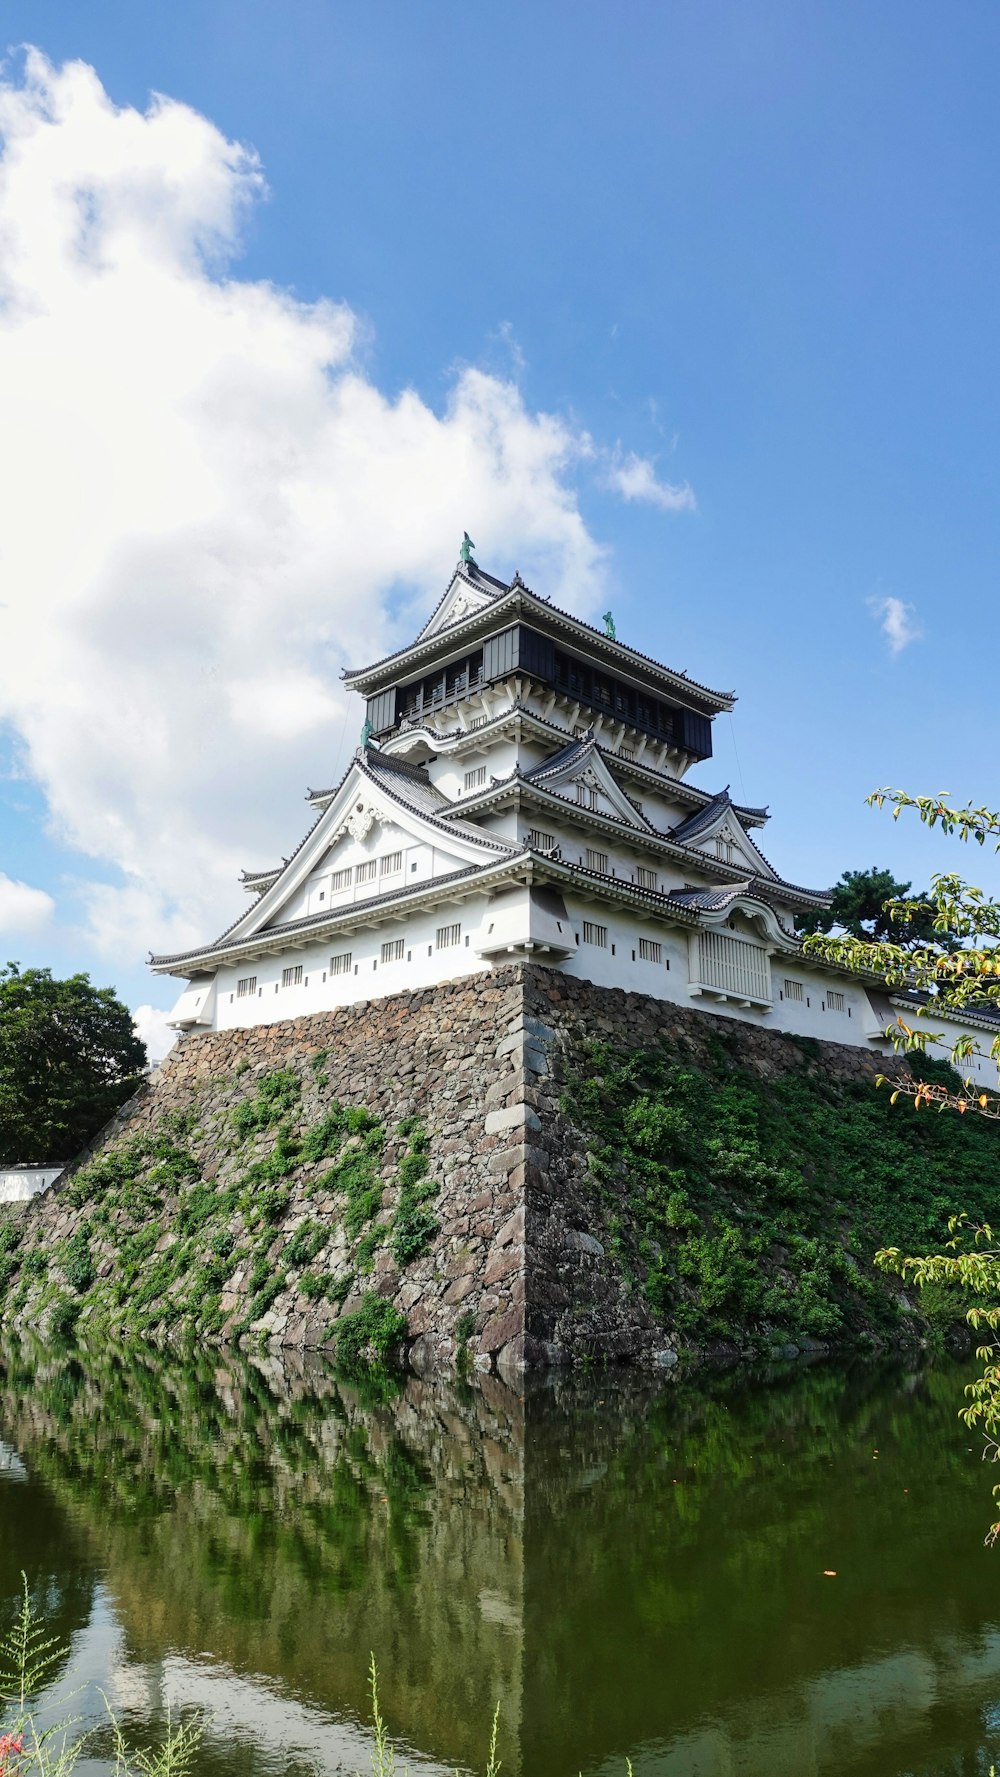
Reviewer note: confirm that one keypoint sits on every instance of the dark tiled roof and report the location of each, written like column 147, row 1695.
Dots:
column 514, row 779
column 473, row 576
column 987, row 1013
column 316, row 921
column 711, row 900
column 679, row 787
column 702, row 818
column 722, row 697
column 411, row 789
column 574, row 749
column 414, row 789
column 698, row 822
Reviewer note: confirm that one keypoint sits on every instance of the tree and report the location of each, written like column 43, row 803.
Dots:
column 860, row 906
column 955, row 968
column 69, row 1056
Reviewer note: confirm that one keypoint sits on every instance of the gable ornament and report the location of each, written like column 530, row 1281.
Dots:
column 359, row 822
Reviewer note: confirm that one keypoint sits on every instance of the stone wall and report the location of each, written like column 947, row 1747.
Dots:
column 519, row 1270
column 580, row 1302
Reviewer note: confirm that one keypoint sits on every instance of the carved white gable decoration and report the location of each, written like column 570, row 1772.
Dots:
column 360, row 821
column 460, row 601
column 464, row 606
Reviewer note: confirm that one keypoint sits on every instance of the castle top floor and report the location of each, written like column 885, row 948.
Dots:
column 486, row 632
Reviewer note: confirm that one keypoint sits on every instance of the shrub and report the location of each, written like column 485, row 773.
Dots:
column 368, row 1245
column 276, row 1096
column 63, row 1317
column 370, row 1333
column 313, row 1284
column 309, row 1237
column 77, row 1264
column 414, row 1225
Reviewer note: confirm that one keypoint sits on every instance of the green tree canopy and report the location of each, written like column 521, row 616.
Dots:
column 954, row 967
column 69, row 1056
column 861, row 906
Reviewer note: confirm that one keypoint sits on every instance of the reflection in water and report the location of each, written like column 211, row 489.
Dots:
column 630, row 1569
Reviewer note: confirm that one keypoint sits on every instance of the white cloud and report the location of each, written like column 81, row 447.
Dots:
column 151, row 1025
column 210, row 508
column 898, row 622
column 634, row 477
column 22, row 908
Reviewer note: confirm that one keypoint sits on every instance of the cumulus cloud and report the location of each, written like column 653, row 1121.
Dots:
column 634, row 477
column 152, row 1027
column 898, row 622
column 210, row 507
column 23, row 908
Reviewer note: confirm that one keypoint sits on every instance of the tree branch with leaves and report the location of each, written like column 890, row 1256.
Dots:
column 952, row 969
column 945, row 953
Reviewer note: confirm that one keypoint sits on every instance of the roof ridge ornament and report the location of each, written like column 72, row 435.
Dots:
column 609, row 626
column 465, row 553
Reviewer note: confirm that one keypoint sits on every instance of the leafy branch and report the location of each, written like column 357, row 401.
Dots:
column 955, row 968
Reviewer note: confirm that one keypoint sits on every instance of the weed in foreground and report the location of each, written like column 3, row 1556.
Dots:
column 29, row 1659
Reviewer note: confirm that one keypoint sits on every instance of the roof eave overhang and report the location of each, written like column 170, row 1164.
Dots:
column 616, row 655
column 520, row 716
column 519, row 789
column 951, row 1015
column 359, row 916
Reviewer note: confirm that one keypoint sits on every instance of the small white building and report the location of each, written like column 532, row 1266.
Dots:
column 19, row 1183
column 525, row 792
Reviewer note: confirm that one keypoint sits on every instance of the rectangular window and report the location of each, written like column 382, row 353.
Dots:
column 724, row 850
column 391, row 864
column 365, row 872
column 794, row 990
column 340, row 879
column 245, row 987
column 447, row 936
column 650, row 950
column 834, row 1001
column 597, row 860
column 541, row 841
column 646, row 878
column 292, row 977
column 627, row 753
column 341, row 965
column 595, row 934
column 734, row 966
column 392, row 952
column 479, row 721
column 476, row 778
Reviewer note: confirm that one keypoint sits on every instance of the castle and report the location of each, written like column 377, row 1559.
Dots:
column 523, row 793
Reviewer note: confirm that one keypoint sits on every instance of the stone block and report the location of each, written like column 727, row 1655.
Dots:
column 513, row 1229
column 516, row 1116
column 462, row 1287
column 506, row 1261
column 501, row 1329
column 578, row 1242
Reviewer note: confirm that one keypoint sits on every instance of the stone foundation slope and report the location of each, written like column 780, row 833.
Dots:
column 515, row 1170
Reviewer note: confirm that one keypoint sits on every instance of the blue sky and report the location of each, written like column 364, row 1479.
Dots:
column 753, row 245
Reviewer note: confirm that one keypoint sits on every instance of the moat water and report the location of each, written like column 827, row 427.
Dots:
column 729, row 1579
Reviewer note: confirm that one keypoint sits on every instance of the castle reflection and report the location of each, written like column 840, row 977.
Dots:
column 713, row 1580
